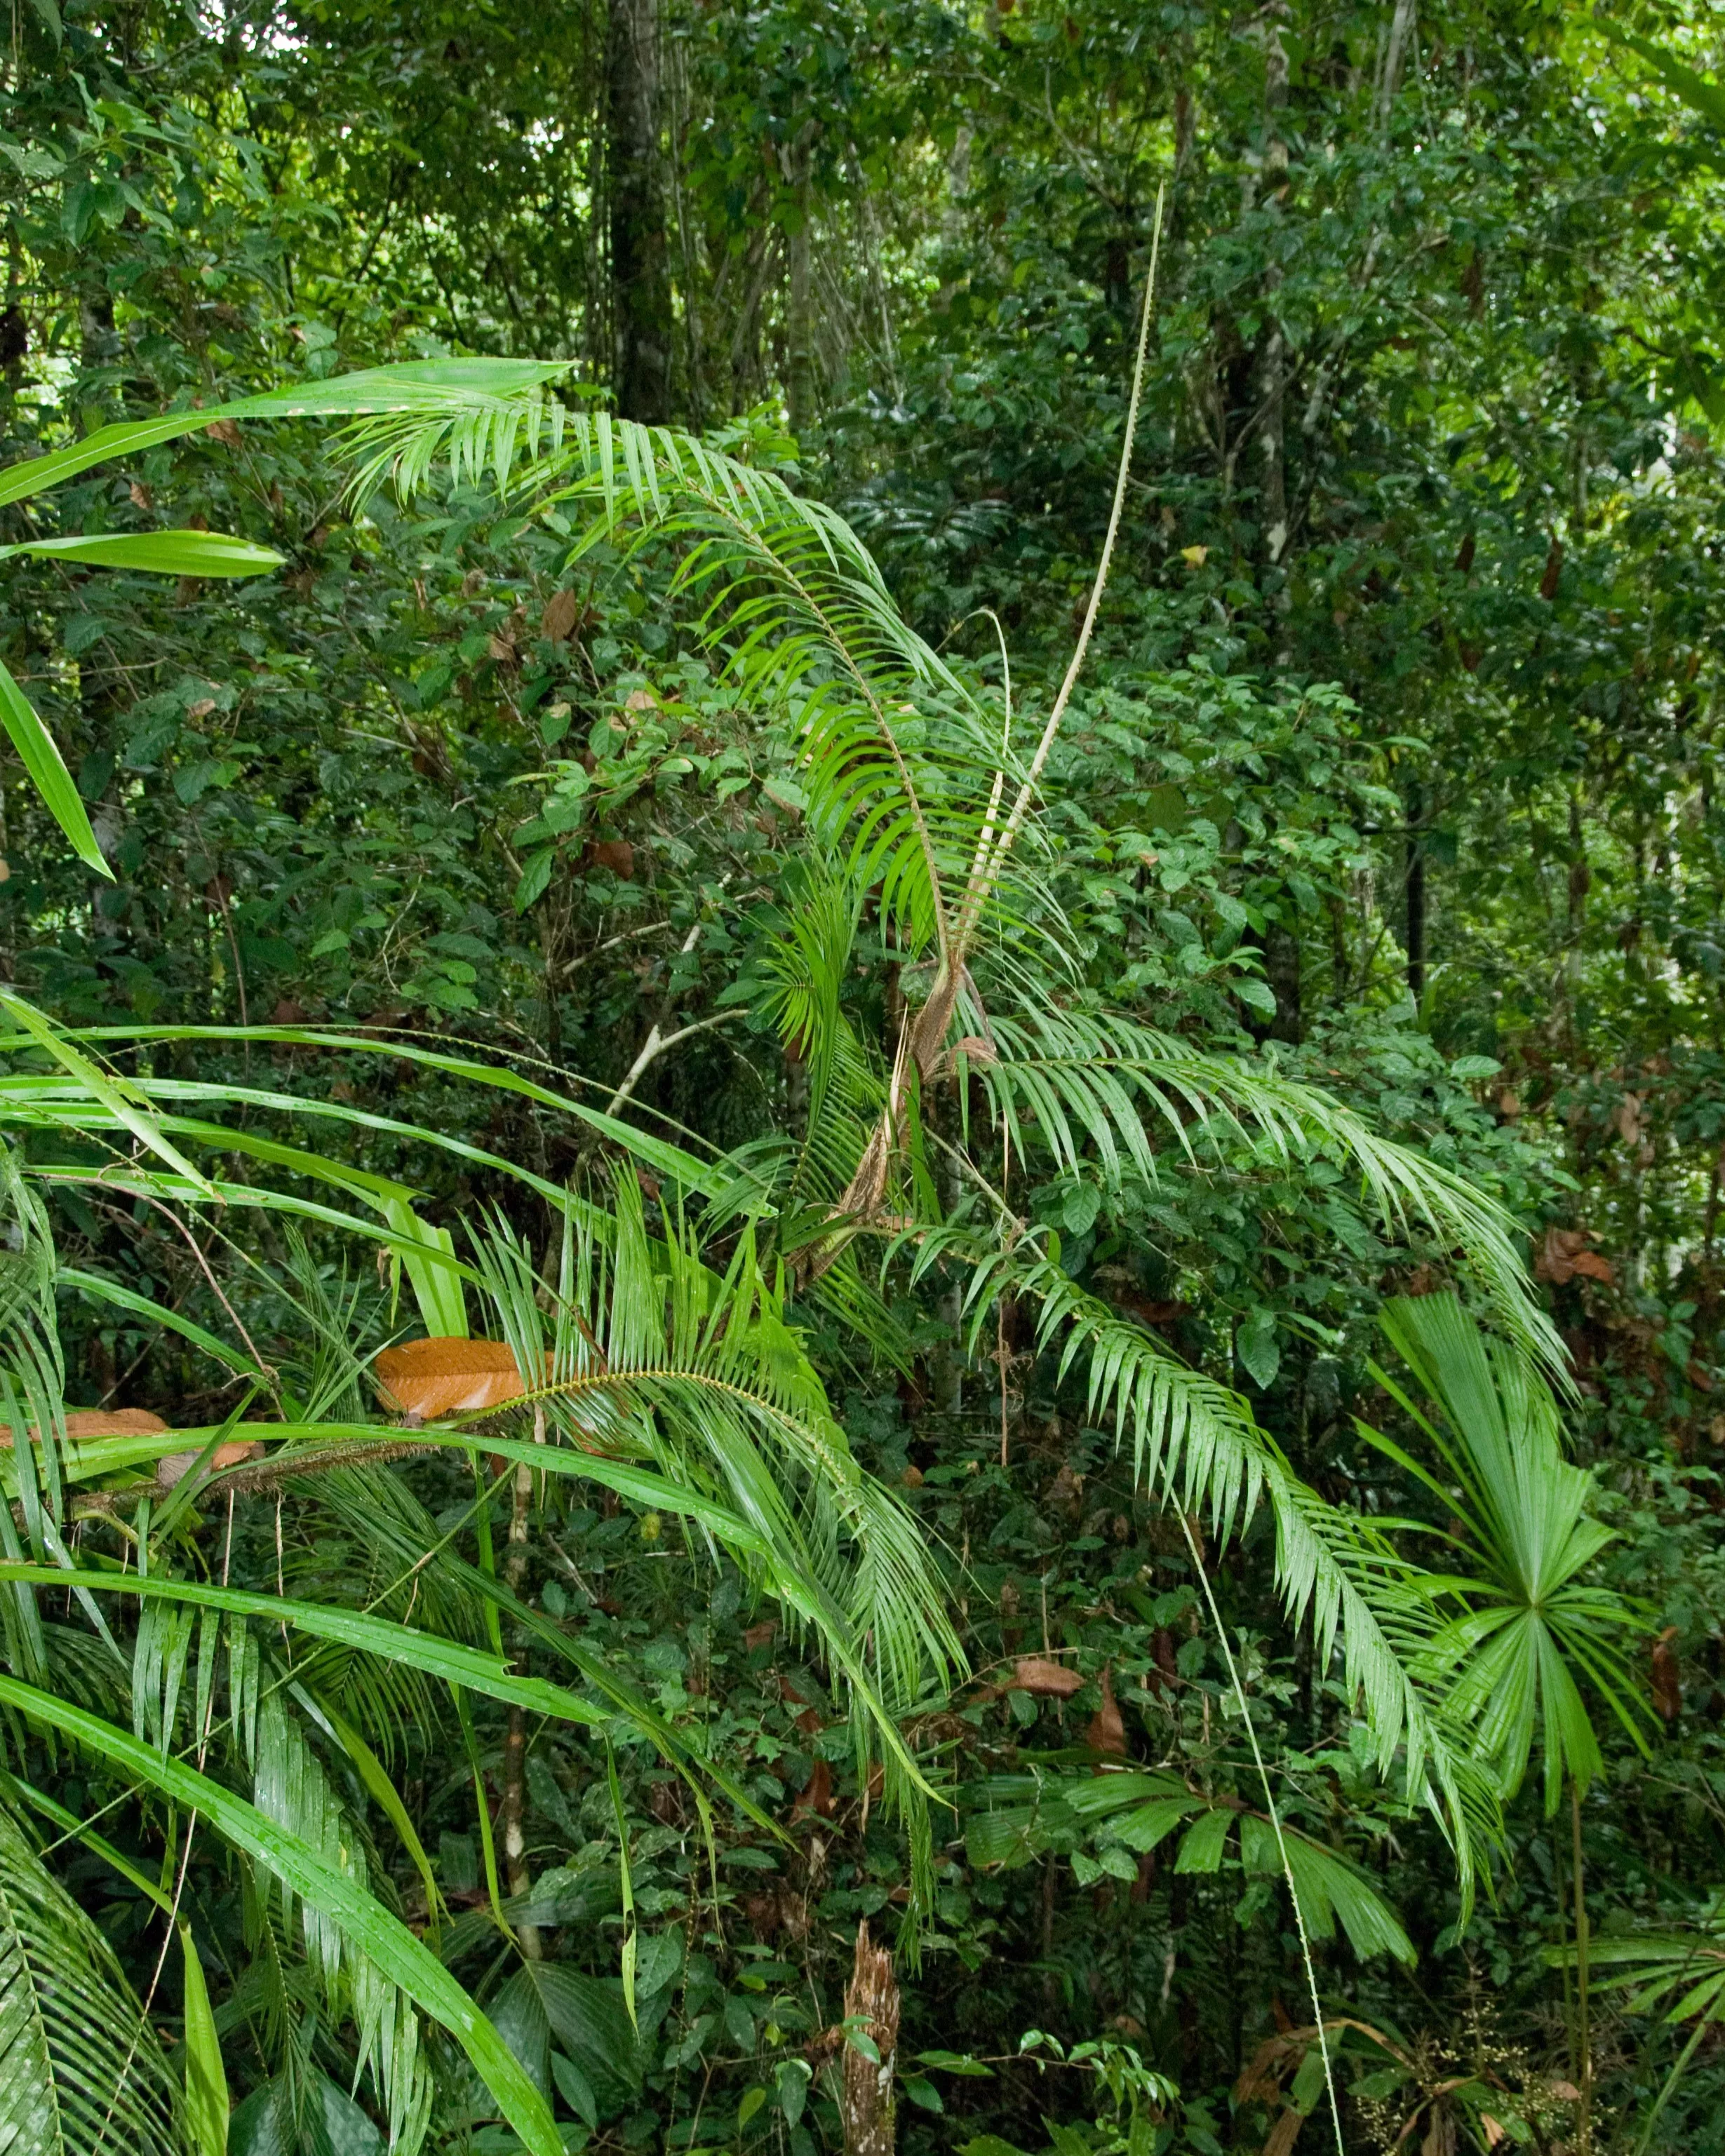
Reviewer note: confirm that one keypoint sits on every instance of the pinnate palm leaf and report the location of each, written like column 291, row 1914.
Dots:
column 80, row 2071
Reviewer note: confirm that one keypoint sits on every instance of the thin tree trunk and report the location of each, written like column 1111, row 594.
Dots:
column 640, row 272
column 799, row 324
column 871, row 1997
column 1272, row 370
column 1281, row 971
column 1415, row 898
column 1401, row 29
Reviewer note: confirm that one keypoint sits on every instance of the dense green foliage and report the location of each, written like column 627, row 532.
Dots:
column 1118, row 1276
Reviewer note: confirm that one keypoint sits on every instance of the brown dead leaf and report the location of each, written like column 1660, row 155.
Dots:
column 818, row 1798
column 1564, row 1254
column 640, row 700
column 1285, row 2132
column 225, row 431
column 1667, row 1679
column 1494, row 2133
column 141, row 497
column 1065, row 1494
column 1107, row 1729
column 502, row 649
column 1047, row 1680
column 977, row 1050
column 201, row 709
column 616, row 855
column 558, row 622
column 100, row 1422
column 1627, row 1117
column 175, row 1465
column 442, row 1376
column 761, row 1635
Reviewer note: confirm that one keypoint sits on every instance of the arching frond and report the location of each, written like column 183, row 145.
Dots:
column 1196, row 1444
column 1062, row 1081
column 655, row 1358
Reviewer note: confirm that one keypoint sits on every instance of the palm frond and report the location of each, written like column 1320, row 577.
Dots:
column 1531, row 1627
column 1067, row 1080
column 655, row 1358
column 376, row 1948
column 899, row 750
column 81, row 2069
column 1196, row 1444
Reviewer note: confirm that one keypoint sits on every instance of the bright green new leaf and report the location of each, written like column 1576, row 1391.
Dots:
column 47, row 772
column 163, row 553
column 206, row 2080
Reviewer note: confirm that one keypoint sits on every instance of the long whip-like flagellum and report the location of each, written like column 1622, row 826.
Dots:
column 977, row 895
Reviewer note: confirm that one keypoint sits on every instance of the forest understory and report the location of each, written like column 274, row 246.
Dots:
column 862, row 1078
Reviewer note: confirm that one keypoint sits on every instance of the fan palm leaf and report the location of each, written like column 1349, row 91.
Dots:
column 1531, row 1629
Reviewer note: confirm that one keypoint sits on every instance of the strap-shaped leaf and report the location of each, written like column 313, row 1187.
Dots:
column 384, row 1939
column 206, row 2079
column 117, row 1098
column 164, row 553
column 47, row 772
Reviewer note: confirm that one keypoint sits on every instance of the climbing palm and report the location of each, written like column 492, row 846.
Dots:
column 654, row 1355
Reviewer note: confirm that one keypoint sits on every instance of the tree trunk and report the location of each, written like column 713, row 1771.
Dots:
column 870, row 1997
column 1272, row 358
column 1281, row 971
column 1415, row 891
column 799, row 312
column 640, row 274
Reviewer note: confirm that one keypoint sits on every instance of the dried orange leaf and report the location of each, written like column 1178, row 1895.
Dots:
column 445, row 1377
column 1048, row 1680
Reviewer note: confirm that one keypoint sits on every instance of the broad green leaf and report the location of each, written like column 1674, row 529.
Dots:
column 384, row 1939
column 429, row 1651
